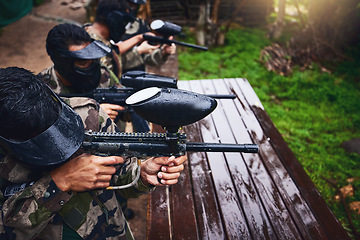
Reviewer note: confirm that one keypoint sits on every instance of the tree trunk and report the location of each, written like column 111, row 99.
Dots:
column 215, row 12
column 201, row 25
column 277, row 27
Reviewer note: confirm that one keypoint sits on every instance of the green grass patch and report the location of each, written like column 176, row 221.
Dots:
column 314, row 111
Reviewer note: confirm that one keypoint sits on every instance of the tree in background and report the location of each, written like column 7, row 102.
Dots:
column 277, row 27
column 210, row 31
column 325, row 30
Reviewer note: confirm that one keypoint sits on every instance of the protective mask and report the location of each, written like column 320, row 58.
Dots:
column 52, row 147
column 83, row 79
column 116, row 22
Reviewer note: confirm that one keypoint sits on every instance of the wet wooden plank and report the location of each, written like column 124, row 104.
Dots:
column 292, row 197
column 230, row 206
column 183, row 220
column 158, row 223
column 240, row 196
column 209, row 221
column 321, row 211
column 232, row 128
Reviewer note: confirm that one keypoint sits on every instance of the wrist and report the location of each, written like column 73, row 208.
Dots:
column 59, row 181
column 138, row 50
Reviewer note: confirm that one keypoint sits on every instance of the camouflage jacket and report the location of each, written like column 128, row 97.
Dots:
column 132, row 59
column 33, row 207
column 111, row 61
column 49, row 77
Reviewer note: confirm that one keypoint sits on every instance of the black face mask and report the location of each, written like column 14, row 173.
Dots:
column 83, row 79
column 116, row 22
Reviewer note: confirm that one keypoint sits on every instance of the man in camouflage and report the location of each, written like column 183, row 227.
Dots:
column 76, row 66
column 112, row 17
column 62, row 196
column 76, row 70
column 109, row 26
column 136, row 58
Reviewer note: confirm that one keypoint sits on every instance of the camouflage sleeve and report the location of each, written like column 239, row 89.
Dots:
column 155, row 58
column 126, row 174
column 27, row 212
column 93, row 116
column 131, row 59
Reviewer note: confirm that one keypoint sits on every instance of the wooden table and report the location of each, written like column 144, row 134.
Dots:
column 266, row 195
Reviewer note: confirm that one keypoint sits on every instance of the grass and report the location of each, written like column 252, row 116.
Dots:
column 314, row 111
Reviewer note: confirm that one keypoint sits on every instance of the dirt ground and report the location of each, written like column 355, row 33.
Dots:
column 22, row 44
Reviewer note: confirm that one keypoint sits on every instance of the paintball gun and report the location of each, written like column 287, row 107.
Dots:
column 134, row 81
column 171, row 109
column 167, row 29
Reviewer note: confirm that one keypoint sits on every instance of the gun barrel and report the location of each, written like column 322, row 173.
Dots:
column 221, row 96
column 156, row 39
column 221, row 147
column 189, row 45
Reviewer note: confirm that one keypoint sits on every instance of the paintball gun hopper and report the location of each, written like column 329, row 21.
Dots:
column 166, row 29
column 171, row 108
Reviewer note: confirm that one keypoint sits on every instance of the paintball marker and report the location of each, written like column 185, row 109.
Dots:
column 171, row 109
column 167, row 29
column 134, row 81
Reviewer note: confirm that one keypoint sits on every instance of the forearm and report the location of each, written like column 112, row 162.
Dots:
column 126, row 45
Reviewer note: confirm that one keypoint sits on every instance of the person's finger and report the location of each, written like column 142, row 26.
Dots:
column 110, row 160
column 161, row 160
column 168, row 176
column 173, row 169
column 114, row 107
column 112, row 113
column 168, row 182
column 117, row 107
column 104, row 178
column 180, row 160
column 100, row 185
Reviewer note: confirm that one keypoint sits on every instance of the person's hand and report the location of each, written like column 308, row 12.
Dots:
column 165, row 168
column 145, row 48
column 85, row 172
column 112, row 109
column 167, row 49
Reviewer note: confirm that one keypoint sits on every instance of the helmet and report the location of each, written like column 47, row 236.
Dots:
column 116, row 22
column 53, row 146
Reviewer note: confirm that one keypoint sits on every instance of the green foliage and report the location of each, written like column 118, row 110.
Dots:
column 314, row 111
column 240, row 55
